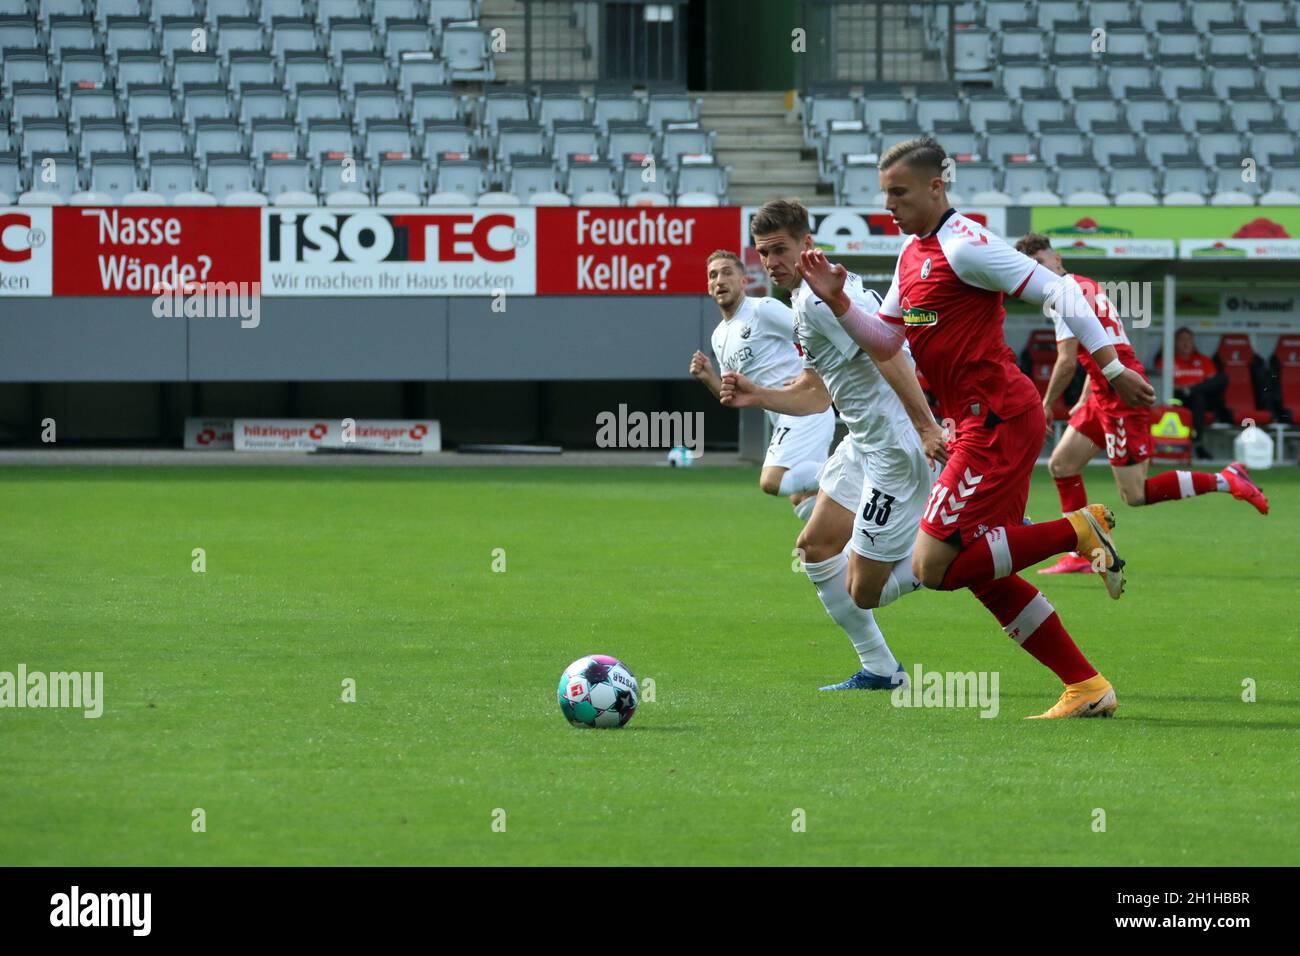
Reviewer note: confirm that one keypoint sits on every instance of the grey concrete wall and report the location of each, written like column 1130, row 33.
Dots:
column 361, row 339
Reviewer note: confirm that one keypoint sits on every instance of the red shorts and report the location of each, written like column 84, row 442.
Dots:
column 1124, row 432
column 985, row 483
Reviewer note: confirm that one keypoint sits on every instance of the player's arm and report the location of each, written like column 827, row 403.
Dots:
column 994, row 265
column 901, row 376
column 878, row 338
column 702, row 370
column 807, row 395
column 1067, row 357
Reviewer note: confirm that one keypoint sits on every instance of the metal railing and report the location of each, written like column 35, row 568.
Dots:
column 615, row 41
column 877, row 41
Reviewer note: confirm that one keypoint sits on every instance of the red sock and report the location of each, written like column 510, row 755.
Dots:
column 1073, row 497
column 1004, row 550
column 1030, row 620
column 1172, row 485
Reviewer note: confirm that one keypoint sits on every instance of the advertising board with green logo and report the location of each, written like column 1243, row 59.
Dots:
column 1167, row 222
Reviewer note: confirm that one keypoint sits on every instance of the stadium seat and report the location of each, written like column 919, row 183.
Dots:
column 403, row 174
column 102, row 136
column 1007, row 139
column 1286, row 372
column 204, row 101
column 287, row 175
column 530, row 174
column 463, row 176
column 440, row 11
column 1025, row 177
column 1165, row 140
column 878, row 109
column 598, row 199
column 419, row 68
column 190, row 68
column 446, row 136
column 1242, row 367
column 387, row 137
column 229, row 174
column 701, row 175
column 113, row 175
column 986, row 105
column 563, row 109
column 10, row 176
column 1061, row 139
column 300, row 69
column 679, row 139
column 260, row 68
column 436, row 103
column 663, row 109
column 1113, row 140
column 273, row 136
column 464, row 47
column 588, row 176
column 1077, row 174
column 1038, row 106
column 1206, row 13
column 621, row 107
column 819, row 111
column 159, row 136
column 568, row 138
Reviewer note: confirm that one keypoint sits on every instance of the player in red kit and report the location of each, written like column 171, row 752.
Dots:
column 1101, row 420
column 946, row 302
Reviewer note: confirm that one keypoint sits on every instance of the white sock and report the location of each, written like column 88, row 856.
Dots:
column 804, row 509
column 901, row 581
column 1222, row 483
column 801, row 477
column 831, row 578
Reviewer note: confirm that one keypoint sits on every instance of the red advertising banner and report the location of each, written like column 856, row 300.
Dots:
column 654, row 250
column 131, row 250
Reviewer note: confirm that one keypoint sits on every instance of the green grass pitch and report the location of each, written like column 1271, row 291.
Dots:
column 222, row 689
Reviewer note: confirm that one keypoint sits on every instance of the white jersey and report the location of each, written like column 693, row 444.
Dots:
column 757, row 342
column 866, row 402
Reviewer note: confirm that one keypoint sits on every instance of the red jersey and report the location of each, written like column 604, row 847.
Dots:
column 1192, row 370
column 1115, row 335
column 947, row 293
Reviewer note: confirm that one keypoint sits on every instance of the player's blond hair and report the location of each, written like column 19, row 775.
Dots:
column 725, row 254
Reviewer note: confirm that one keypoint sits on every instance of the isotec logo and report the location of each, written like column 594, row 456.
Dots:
column 15, row 229
column 371, row 237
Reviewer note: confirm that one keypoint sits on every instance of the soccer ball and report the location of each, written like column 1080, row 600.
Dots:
column 680, row 457
column 597, row 691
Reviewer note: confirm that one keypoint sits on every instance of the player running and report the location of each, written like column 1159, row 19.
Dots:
column 1101, row 420
column 755, row 337
column 856, row 548
column 945, row 301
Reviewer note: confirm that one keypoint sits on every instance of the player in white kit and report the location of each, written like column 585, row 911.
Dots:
column 857, row 546
column 755, row 338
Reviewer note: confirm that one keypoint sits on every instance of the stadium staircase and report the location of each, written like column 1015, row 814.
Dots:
column 763, row 146
column 553, row 30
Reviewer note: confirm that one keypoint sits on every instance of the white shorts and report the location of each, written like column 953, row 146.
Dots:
column 886, row 491
column 797, row 438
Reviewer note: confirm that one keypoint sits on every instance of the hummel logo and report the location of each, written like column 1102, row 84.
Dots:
column 744, row 333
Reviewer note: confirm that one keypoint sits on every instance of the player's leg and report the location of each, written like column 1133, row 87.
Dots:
column 1138, row 489
column 1006, row 460
column 823, row 543
column 884, row 527
column 987, row 467
column 799, row 447
column 1071, row 454
column 769, row 479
